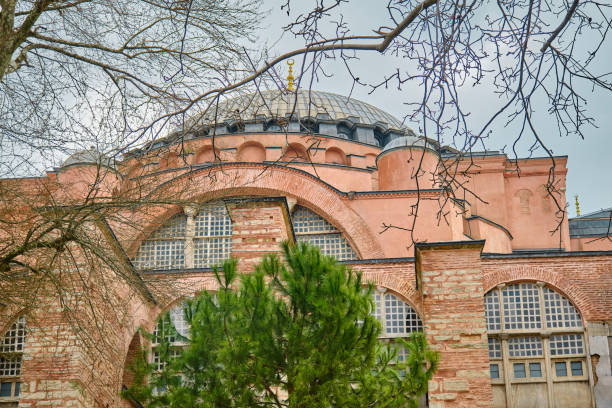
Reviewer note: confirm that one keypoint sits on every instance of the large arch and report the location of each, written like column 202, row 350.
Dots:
column 240, row 179
column 528, row 273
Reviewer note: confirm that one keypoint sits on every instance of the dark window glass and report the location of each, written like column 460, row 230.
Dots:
column 519, row 370
column 535, row 370
column 561, row 369
column 5, row 389
column 576, row 368
column 494, row 369
column 17, row 388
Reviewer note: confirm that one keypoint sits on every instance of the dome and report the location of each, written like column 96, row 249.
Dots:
column 303, row 104
column 91, row 156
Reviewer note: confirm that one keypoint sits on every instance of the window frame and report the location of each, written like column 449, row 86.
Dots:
column 189, row 241
column 306, row 233
column 538, row 312
column 19, row 325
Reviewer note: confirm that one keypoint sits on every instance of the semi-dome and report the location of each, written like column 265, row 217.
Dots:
column 90, row 156
column 303, row 104
column 408, row 141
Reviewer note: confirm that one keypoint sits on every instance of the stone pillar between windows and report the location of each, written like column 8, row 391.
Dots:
column 449, row 276
column 507, row 369
column 190, row 213
column 259, row 225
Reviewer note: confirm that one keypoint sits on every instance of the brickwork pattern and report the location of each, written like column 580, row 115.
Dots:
column 455, row 326
column 258, row 228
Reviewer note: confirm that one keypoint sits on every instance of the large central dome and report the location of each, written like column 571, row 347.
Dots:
column 302, row 105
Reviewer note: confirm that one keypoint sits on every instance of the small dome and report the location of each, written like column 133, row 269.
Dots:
column 408, row 141
column 91, row 156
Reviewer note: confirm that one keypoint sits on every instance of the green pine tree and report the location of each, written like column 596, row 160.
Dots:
column 295, row 333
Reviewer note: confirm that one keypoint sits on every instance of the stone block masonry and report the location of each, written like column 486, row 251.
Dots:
column 449, row 277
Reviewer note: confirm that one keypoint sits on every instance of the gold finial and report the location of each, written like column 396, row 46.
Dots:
column 290, row 78
column 577, row 206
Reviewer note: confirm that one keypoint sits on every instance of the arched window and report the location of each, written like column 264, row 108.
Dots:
column 165, row 248
column 397, row 317
column 380, row 137
column 344, row 131
column 11, row 353
column 176, row 320
column 314, row 229
column 537, row 349
column 309, row 126
column 198, row 240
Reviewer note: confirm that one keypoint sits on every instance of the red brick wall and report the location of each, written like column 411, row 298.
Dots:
column 258, row 228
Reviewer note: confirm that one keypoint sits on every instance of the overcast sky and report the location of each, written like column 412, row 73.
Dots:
column 590, row 161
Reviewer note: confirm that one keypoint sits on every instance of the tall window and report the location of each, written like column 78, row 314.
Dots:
column 314, row 229
column 536, row 347
column 198, row 240
column 11, row 352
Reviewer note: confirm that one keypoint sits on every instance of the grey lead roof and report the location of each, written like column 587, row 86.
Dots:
column 598, row 223
column 91, row 156
column 304, row 104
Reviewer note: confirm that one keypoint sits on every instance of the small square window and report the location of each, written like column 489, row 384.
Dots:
column 561, row 369
column 519, row 370
column 576, row 368
column 535, row 370
column 5, row 389
column 494, row 369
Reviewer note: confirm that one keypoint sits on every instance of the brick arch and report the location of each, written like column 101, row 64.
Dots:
column 402, row 288
column 240, row 179
column 148, row 319
column 527, row 273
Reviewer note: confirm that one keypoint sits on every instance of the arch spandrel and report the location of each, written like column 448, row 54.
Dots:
column 230, row 180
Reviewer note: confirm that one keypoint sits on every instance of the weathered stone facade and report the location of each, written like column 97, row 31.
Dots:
column 468, row 263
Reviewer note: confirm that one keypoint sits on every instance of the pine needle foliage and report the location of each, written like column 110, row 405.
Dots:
column 298, row 332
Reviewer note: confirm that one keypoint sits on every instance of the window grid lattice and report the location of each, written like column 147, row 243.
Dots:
column 172, row 229
column 315, row 230
column 495, row 351
column 525, row 307
column 525, row 346
column 177, row 317
column 566, row 344
column 307, row 222
column 165, row 249
column 492, row 310
column 559, row 311
column 377, row 306
column 211, row 251
column 213, row 221
column 14, row 338
column 180, row 324
column 158, row 363
column 212, row 240
column 398, row 320
column 330, row 244
column 521, row 307
column 12, row 347
column 10, row 366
